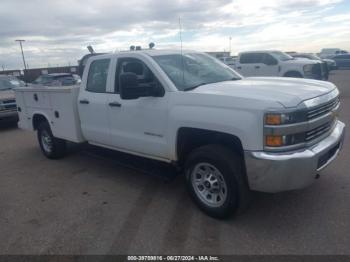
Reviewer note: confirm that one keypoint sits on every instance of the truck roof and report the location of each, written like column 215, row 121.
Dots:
column 155, row 52
column 150, row 52
column 260, row 51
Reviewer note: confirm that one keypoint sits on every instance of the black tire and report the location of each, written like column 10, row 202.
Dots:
column 230, row 165
column 56, row 148
column 293, row 74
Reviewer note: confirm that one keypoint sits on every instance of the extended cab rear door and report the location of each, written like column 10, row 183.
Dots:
column 250, row 64
column 258, row 64
column 93, row 101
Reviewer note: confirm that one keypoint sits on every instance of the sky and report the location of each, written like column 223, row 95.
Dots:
column 57, row 32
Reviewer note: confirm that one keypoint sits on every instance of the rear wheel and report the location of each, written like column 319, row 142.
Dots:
column 51, row 146
column 215, row 178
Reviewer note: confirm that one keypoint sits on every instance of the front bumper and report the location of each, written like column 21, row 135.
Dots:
column 323, row 76
column 275, row 172
column 8, row 114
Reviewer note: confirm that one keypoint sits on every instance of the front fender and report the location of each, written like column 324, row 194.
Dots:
column 244, row 124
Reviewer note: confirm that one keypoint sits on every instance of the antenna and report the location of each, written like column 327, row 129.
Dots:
column 182, row 58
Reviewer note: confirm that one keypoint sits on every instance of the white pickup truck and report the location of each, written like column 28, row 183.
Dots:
column 277, row 63
column 228, row 133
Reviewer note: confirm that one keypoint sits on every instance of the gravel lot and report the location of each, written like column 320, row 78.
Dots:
column 91, row 202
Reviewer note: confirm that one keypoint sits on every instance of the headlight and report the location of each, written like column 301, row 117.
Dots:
column 274, row 121
column 286, row 118
column 308, row 69
column 279, row 119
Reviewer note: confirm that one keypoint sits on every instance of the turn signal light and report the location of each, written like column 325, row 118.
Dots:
column 274, row 141
column 273, row 119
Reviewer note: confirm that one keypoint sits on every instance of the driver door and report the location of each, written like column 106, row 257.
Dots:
column 269, row 65
column 138, row 125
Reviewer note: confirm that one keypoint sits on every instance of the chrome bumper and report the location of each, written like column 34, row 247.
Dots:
column 274, row 172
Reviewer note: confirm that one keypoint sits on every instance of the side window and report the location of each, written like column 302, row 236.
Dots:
column 269, row 60
column 38, row 80
column 244, row 59
column 258, row 58
column 145, row 76
column 251, row 58
column 97, row 77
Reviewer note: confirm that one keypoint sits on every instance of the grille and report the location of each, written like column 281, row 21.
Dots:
column 9, row 101
column 324, row 67
column 316, row 70
column 322, row 109
column 9, row 104
column 317, row 132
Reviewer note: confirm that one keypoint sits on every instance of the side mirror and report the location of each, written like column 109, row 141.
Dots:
column 128, row 86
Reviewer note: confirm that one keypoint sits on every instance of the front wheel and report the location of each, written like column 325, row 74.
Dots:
column 51, row 146
column 215, row 178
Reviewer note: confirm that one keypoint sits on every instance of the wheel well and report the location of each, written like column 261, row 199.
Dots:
column 293, row 73
column 190, row 138
column 37, row 120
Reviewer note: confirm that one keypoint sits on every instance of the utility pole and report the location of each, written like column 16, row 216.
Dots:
column 230, row 45
column 24, row 61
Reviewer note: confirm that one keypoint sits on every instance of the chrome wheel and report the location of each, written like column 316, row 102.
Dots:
column 209, row 184
column 46, row 141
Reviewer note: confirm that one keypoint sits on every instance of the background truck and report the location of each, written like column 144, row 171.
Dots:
column 229, row 134
column 332, row 52
column 8, row 108
column 277, row 63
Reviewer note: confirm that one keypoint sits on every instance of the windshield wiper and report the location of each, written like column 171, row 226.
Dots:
column 195, row 86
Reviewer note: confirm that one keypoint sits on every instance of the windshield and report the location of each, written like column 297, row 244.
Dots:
column 191, row 70
column 281, row 56
column 9, row 83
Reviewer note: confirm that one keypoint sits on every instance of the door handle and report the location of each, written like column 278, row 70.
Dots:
column 239, row 67
column 257, row 67
column 84, row 101
column 115, row 104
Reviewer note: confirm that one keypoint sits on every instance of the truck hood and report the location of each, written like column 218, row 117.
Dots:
column 301, row 61
column 7, row 94
column 328, row 60
column 289, row 92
